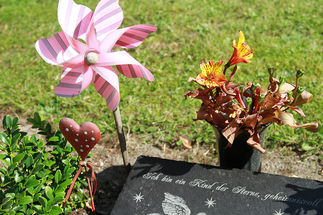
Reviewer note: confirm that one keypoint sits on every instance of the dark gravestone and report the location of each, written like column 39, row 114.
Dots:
column 164, row 187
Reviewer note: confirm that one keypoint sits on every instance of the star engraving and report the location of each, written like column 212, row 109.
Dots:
column 210, row 202
column 138, row 197
column 279, row 212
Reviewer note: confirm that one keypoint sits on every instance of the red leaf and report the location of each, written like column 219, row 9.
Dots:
column 232, row 130
column 297, row 110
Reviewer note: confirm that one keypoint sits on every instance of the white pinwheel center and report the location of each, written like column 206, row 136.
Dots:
column 91, row 58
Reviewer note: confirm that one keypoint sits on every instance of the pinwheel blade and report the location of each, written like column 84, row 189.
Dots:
column 74, row 18
column 135, row 71
column 107, row 90
column 135, row 35
column 74, row 81
column 55, row 48
column 107, row 17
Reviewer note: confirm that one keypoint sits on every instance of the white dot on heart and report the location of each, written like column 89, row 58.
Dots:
column 85, row 140
column 71, row 126
column 81, row 150
column 76, row 140
column 77, row 134
column 85, row 133
column 92, row 138
column 87, row 146
column 66, row 129
column 81, row 146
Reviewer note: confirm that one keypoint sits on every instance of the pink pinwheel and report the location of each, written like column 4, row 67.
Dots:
column 93, row 61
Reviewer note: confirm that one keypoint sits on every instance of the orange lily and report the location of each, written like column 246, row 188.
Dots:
column 211, row 75
column 242, row 53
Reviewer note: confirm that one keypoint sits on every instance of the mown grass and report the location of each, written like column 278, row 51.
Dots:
column 283, row 34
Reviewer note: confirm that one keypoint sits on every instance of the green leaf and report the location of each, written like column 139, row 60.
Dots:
column 18, row 177
column 5, row 200
column 58, row 176
column 7, row 122
column 49, row 193
column 19, row 157
column 6, row 161
column 56, row 210
column 10, row 195
column 38, row 188
column 29, row 161
column 54, row 138
column 36, row 197
column 2, row 171
column 4, row 138
column 38, row 168
column 29, row 212
column 37, row 117
column 44, row 173
column 2, row 156
column 59, row 197
column 7, row 203
column 49, row 163
column 68, row 172
column 15, row 138
column 15, row 121
column 48, row 128
column 43, row 201
column 34, row 190
column 62, row 187
column 26, row 200
column 31, row 191
column 11, row 168
column 32, row 182
column 36, row 208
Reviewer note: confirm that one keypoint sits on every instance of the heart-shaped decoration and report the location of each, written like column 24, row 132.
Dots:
column 83, row 138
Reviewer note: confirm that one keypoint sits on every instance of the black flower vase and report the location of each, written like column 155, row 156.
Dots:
column 240, row 155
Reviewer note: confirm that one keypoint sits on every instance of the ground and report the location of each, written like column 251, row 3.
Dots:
column 111, row 173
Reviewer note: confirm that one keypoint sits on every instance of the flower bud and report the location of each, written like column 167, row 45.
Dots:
column 271, row 71
column 299, row 73
column 300, row 90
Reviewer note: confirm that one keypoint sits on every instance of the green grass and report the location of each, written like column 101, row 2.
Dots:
column 283, row 34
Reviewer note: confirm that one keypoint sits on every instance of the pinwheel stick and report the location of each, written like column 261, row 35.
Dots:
column 121, row 136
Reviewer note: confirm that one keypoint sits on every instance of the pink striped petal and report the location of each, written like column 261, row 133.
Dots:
column 50, row 49
column 74, row 62
column 87, row 77
column 77, row 45
column 107, row 16
column 73, row 18
column 92, row 42
column 135, row 35
column 108, row 74
column 74, row 81
column 116, row 58
column 135, row 71
column 110, row 40
column 108, row 91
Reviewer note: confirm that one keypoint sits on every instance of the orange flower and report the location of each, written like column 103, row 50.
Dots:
column 211, row 75
column 242, row 53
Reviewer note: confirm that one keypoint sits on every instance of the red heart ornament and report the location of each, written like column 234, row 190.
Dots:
column 83, row 138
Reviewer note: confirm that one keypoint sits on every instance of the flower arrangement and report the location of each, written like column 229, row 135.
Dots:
column 239, row 107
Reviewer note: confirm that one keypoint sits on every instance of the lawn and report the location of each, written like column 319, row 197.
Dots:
column 285, row 34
